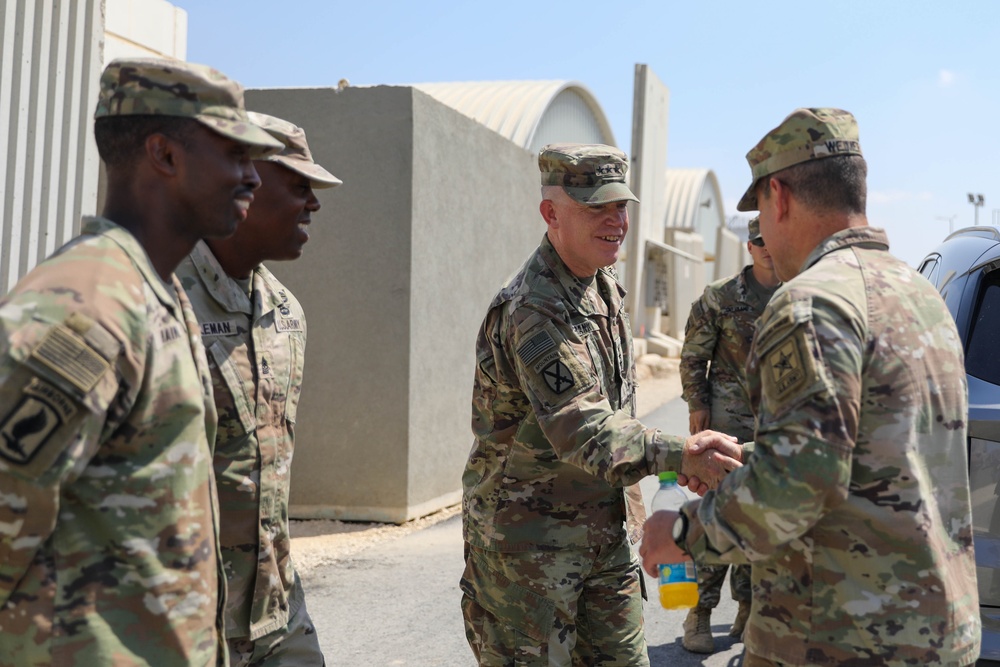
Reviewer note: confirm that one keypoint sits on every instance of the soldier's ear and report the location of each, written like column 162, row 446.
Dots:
column 548, row 211
column 161, row 151
column 780, row 193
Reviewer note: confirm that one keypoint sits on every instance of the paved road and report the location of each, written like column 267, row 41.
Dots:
column 397, row 603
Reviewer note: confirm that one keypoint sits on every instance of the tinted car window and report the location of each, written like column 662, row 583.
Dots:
column 981, row 358
column 929, row 269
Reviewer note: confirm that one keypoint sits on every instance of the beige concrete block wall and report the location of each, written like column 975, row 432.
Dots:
column 144, row 29
column 687, row 277
column 435, row 211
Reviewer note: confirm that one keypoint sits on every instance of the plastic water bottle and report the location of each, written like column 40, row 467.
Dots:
column 678, row 582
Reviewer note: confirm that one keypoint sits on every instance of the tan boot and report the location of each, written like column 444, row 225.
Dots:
column 740, row 623
column 698, row 631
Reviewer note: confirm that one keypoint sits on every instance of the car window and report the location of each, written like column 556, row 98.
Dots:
column 929, row 269
column 981, row 358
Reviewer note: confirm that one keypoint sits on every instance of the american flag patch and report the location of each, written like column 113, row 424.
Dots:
column 532, row 348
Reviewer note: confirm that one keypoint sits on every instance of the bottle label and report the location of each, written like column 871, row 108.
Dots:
column 678, row 573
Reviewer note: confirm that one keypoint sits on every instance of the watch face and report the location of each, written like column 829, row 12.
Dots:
column 679, row 526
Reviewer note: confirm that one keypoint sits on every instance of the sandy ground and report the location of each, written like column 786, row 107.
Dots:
column 317, row 542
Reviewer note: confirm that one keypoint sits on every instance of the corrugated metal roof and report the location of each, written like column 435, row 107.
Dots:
column 687, row 195
column 529, row 113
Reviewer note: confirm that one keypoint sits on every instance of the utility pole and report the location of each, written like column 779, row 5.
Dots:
column 977, row 201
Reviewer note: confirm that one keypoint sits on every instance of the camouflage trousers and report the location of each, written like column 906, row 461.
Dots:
column 294, row 645
column 711, row 578
column 554, row 608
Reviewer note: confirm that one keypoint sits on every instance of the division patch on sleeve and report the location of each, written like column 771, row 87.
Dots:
column 787, row 369
column 39, row 413
column 70, row 356
column 558, row 377
column 554, row 368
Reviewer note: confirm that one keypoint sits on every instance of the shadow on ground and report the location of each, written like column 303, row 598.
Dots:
column 675, row 655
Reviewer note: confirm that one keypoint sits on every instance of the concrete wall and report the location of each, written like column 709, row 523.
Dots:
column 647, row 173
column 435, row 211
column 732, row 254
column 686, row 276
column 144, row 29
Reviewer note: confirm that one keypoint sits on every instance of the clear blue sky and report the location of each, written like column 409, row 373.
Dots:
column 922, row 76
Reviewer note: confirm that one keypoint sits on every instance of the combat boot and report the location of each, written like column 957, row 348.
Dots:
column 698, row 631
column 740, row 623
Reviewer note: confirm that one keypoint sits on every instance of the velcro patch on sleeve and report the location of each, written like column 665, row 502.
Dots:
column 557, row 370
column 39, row 413
column 535, row 346
column 786, row 368
column 71, row 357
column 789, row 373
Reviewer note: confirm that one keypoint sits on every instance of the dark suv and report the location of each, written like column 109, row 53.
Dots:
column 965, row 268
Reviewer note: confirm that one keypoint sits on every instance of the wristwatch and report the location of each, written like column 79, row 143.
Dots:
column 681, row 531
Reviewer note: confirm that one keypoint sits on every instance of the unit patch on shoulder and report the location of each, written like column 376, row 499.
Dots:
column 70, row 356
column 785, row 367
column 558, row 377
column 40, row 412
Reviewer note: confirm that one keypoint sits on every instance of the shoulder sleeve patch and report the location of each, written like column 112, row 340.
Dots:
column 535, row 346
column 68, row 354
column 786, row 369
column 29, row 425
column 555, row 367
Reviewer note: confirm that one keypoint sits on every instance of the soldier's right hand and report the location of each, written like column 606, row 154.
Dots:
column 708, row 457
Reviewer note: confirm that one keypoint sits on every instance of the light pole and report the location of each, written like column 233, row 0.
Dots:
column 951, row 221
column 976, row 201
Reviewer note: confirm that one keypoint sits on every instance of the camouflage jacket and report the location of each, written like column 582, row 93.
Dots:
column 719, row 330
column 256, row 347
column 553, row 413
column 854, row 506
column 108, row 522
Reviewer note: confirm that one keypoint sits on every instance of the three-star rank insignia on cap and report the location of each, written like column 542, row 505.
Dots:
column 610, row 169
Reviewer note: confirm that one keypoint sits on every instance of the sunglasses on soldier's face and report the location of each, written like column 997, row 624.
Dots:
column 759, row 242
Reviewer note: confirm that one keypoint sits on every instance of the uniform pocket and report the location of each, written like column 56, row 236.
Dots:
column 296, row 353
column 515, row 606
column 242, row 398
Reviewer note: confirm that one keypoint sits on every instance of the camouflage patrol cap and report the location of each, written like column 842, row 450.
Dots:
column 295, row 155
column 806, row 134
column 161, row 87
column 753, row 229
column 589, row 173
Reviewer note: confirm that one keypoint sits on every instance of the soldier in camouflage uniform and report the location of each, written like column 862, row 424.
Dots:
column 854, row 504
column 717, row 341
column 108, row 517
column 255, row 333
column 550, row 578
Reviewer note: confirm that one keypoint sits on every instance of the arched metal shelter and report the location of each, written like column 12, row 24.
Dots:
column 529, row 113
column 694, row 201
